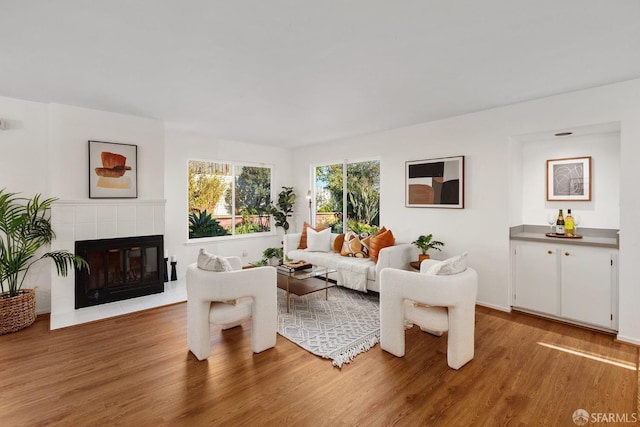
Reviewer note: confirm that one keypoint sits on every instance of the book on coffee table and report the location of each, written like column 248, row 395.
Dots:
column 290, row 266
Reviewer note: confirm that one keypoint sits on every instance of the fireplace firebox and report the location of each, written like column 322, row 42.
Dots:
column 120, row 269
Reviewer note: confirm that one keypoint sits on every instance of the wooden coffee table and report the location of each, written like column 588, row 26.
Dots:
column 295, row 282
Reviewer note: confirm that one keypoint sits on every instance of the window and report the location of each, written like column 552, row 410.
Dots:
column 348, row 190
column 227, row 199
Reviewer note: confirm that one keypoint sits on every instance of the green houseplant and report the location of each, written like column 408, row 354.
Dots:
column 424, row 243
column 25, row 227
column 272, row 256
column 284, row 209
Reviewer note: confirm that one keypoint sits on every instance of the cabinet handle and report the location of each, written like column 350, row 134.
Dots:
column 549, row 251
column 567, row 254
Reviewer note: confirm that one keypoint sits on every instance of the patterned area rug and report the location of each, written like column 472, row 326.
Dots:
column 339, row 328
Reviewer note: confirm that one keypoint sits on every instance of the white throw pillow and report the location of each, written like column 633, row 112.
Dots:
column 211, row 262
column 318, row 241
column 454, row 265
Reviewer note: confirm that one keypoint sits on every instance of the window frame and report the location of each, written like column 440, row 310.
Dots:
column 344, row 163
column 233, row 235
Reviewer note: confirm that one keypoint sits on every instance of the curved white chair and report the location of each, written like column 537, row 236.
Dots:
column 228, row 298
column 435, row 303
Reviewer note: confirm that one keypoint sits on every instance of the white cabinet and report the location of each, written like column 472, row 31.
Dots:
column 588, row 278
column 536, row 277
column 572, row 282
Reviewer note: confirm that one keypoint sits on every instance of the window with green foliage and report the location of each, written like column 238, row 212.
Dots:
column 351, row 191
column 227, row 199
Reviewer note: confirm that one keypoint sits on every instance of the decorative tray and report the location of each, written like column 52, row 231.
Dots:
column 564, row 236
column 296, row 265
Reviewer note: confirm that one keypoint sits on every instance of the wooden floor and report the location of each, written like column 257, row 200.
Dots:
column 135, row 370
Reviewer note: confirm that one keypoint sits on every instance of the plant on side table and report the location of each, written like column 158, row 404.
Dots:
column 25, row 227
column 424, row 243
column 272, row 256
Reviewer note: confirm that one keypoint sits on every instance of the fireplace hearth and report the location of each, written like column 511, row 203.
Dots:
column 120, row 269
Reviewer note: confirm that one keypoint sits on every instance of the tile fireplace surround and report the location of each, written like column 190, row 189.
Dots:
column 103, row 219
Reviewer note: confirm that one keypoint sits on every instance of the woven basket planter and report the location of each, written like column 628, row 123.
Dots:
column 17, row 312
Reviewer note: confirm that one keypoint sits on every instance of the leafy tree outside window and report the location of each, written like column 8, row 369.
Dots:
column 253, row 199
column 351, row 191
column 228, row 199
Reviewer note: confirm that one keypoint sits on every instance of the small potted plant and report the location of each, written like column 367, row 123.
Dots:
column 424, row 243
column 272, row 256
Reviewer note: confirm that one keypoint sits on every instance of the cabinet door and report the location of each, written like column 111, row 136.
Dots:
column 536, row 277
column 587, row 277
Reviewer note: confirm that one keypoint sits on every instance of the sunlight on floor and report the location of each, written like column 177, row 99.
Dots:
column 592, row 356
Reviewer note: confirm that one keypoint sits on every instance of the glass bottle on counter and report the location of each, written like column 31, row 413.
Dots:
column 569, row 226
column 560, row 224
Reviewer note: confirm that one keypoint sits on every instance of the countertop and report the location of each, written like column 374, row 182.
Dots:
column 601, row 237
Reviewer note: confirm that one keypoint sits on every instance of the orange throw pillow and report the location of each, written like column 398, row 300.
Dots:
column 374, row 248
column 381, row 240
column 303, row 237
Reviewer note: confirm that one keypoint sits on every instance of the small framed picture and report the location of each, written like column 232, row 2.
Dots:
column 569, row 179
column 113, row 170
column 435, row 183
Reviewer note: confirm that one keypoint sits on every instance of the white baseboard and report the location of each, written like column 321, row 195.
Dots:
column 628, row 340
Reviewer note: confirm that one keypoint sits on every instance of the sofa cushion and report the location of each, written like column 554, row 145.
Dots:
column 355, row 245
column 453, row 265
column 211, row 262
column 382, row 239
column 318, row 241
column 303, row 236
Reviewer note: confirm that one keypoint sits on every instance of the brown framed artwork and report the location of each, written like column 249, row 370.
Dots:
column 435, row 183
column 569, row 180
column 113, row 170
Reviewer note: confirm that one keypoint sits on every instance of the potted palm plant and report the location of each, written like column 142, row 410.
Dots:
column 424, row 243
column 25, row 227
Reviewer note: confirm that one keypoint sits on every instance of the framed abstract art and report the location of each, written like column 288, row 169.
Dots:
column 435, row 183
column 569, row 179
column 113, row 170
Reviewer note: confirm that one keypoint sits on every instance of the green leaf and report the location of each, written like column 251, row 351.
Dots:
column 25, row 227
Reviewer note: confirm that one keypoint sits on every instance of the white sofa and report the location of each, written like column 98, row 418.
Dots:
column 361, row 274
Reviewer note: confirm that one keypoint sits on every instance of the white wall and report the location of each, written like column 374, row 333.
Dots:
column 603, row 211
column 24, row 167
column 45, row 150
column 72, row 128
column 480, row 228
column 23, row 146
column 491, row 200
column 182, row 147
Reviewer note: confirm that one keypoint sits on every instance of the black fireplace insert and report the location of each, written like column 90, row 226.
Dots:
column 120, row 269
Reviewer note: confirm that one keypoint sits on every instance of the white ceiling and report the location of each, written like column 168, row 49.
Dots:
column 295, row 72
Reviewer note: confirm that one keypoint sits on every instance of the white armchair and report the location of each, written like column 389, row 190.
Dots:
column 210, row 299
column 435, row 303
